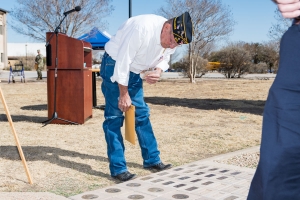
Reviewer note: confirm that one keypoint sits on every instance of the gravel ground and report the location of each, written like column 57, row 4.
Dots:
column 249, row 160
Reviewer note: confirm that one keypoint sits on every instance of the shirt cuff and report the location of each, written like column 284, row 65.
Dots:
column 163, row 65
column 122, row 81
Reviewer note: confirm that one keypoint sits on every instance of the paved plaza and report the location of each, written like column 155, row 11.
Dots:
column 201, row 180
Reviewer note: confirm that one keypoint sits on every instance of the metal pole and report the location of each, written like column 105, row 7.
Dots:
column 26, row 54
column 130, row 8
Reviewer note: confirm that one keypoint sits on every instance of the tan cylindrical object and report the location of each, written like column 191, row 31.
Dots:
column 130, row 135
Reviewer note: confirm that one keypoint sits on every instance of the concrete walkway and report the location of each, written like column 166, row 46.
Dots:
column 201, row 180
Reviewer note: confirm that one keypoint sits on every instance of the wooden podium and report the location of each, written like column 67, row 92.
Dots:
column 73, row 81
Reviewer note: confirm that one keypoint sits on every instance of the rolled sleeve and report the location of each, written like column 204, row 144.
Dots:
column 163, row 65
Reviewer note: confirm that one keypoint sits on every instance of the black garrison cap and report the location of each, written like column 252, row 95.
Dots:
column 183, row 28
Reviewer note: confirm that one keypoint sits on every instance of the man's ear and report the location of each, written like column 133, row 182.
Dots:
column 169, row 27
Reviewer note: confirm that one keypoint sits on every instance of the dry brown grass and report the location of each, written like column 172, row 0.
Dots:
column 191, row 122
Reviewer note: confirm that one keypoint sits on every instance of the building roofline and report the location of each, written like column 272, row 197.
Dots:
column 6, row 11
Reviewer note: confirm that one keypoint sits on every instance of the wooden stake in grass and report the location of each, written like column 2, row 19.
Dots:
column 16, row 137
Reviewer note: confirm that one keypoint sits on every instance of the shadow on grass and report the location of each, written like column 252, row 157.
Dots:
column 244, row 106
column 23, row 118
column 55, row 156
column 40, row 107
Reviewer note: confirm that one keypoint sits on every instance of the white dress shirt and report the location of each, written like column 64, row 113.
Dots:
column 136, row 47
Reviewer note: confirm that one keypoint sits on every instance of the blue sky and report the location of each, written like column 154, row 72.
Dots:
column 254, row 18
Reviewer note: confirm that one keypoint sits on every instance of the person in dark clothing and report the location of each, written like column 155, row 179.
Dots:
column 277, row 176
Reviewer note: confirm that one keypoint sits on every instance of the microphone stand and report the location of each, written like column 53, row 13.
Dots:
column 55, row 116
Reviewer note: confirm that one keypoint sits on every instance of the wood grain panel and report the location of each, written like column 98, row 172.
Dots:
column 73, row 82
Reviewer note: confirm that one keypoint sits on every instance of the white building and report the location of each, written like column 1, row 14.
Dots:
column 3, row 39
column 25, row 49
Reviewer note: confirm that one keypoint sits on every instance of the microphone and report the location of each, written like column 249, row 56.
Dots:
column 77, row 8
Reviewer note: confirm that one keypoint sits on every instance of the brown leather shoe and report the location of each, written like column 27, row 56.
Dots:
column 160, row 166
column 125, row 176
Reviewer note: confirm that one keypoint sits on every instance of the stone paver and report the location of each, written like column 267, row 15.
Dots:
column 200, row 180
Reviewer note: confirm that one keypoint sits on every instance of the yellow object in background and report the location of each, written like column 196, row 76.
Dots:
column 130, row 135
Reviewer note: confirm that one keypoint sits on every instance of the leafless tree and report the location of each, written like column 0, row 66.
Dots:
column 278, row 29
column 234, row 59
column 270, row 55
column 207, row 49
column 201, row 66
column 34, row 18
column 254, row 50
column 263, row 54
column 211, row 19
column 183, row 66
column 258, row 68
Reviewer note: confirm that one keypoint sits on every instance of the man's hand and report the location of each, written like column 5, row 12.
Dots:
column 124, row 98
column 288, row 8
column 153, row 76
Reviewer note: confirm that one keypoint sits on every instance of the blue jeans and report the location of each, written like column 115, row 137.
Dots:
column 114, row 120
